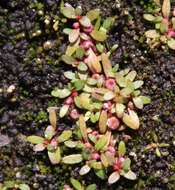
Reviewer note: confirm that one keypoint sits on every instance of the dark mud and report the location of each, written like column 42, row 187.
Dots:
column 35, row 71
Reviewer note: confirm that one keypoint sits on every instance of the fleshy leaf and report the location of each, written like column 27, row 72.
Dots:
column 72, row 159
column 84, row 170
column 121, row 148
column 130, row 175
column 138, row 84
column 114, row 177
column 73, row 36
column 65, row 135
column 70, row 75
column 107, row 67
column 171, row 44
column 71, row 144
column 49, row 132
column 166, row 8
column 149, row 17
column 99, row 35
column 79, row 53
column 82, row 67
column 24, row 187
column 131, row 75
column 91, row 187
column 120, row 108
column 93, row 14
column 61, row 93
column 100, row 173
column 35, row 139
column 76, row 184
column 52, row 116
column 93, row 62
column 108, row 22
column 39, row 147
column 83, row 129
column 131, row 119
column 55, row 157
column 103, row 121
column 85, row 21
column 104, row 160
column 100, row 144
column 68, row 59
column 138, row 102
column 126, row 165
column 109, row 95
column 68, row 12
column 79, row 84
column 63, row 111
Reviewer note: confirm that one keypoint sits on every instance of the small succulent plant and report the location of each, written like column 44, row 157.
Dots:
column 99, row 98
column 164, row 22
column 14, row 185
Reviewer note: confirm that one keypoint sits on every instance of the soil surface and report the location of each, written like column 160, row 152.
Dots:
column 35, row 71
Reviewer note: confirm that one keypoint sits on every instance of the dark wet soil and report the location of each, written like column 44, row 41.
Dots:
column 35, row 71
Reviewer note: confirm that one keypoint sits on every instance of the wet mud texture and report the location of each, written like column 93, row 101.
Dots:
column 35, row 71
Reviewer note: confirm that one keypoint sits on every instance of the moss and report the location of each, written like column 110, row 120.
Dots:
column 43, row 168
column 41, row 117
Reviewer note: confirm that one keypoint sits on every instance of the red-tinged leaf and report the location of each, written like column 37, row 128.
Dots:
column 55, row 157
column 93, row 62
column 107, row 67
column 82, row 126
column 103, row 121
column 114, row 177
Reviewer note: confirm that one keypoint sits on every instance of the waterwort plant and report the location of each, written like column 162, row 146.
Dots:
column 99, row 98
column 164, row 22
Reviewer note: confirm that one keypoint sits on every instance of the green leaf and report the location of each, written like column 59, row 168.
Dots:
column 63, row 111
column 91, row 81
column 103, row 121
column 138, row 84
column 126, row 165
column 108, row 22
column 121, row 148
column 55, row 157
column 100, row 144
column 79, row 53
column 82, row 67
column 71, row 144
column 171, row 44
column 65, row 135
column 131, row 119
column 166, row 8
column 149, row 17
column 131, row 75
column 109, row 95
column 84, row 170
column 138, row 102
column 68, row 12
column 79, row 84
column 120, row 108
column 24, row 187
column 98, row 35
column 76, row 184
column 70, row 75
column 67, row 31
column 68, row 59
column 60, row 93
column 145, row 99
column 49, row 132
column 85, row 21
column 113, row 178
column 100, row 173
column 82, row 126
column 130, row 175
column 93, row 14
column 72, row 159
column 107, row 67
column 52, row 116
column 91, row 187
column 100, row 47
column 163, row 28
column 35, row 139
